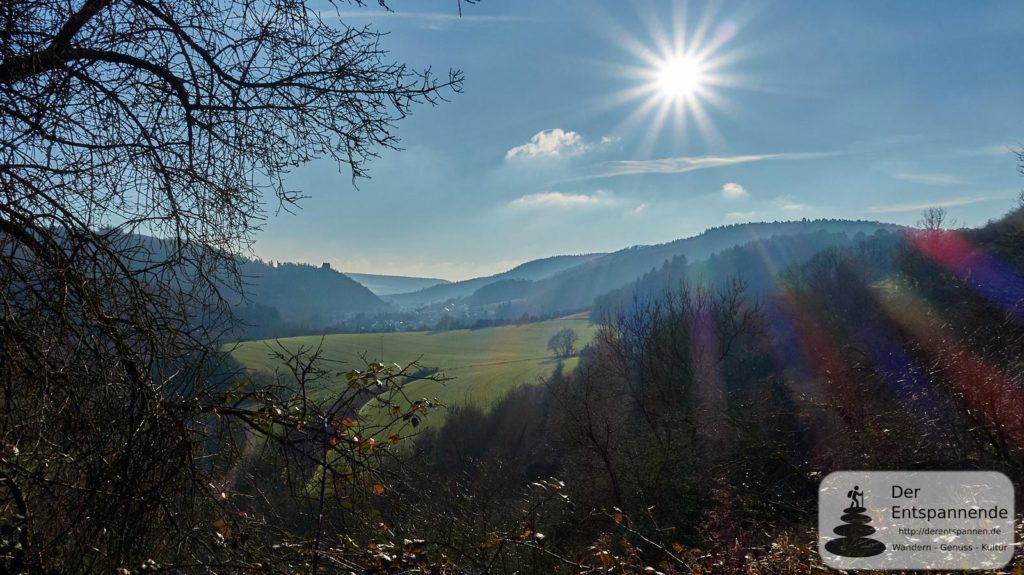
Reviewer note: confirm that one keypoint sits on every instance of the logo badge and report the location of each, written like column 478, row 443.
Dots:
column 923, row 520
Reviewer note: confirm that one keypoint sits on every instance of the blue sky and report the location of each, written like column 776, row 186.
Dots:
column 869, row 110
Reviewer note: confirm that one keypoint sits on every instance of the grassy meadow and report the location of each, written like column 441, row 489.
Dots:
column 482, row 364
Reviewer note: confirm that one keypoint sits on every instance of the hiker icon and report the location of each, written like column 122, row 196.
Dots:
column 856, row 496
column 853, row 534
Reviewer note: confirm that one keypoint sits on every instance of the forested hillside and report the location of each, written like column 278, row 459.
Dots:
column 761, row 266
column 577, row 288
column 287, row 296
column 532, row 270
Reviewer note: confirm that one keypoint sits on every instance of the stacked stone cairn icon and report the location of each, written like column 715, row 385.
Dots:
column 853, row 535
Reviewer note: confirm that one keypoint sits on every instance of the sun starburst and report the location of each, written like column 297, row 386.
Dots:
column 678, row 75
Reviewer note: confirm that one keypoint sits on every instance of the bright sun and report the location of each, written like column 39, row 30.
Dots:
column 680, row 77
column 680, row 74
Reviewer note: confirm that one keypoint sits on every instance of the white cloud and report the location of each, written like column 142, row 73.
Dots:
column 560, row 200
column 638, row 210
column 788, row 203
column 919, row 206
column 740, row 215
column 732, row 190
column 606, row 140
column 681, row 164
column 937, row 179
column 550, row 143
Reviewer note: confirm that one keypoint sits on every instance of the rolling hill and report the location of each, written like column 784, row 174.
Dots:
column 382, row 285
column 289, row 298
column 532, row 270
column 305, row 293
column 576, row 288
column 269, row 299
column 757, row 264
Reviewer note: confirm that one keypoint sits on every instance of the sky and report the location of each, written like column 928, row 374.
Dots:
column 593, row 126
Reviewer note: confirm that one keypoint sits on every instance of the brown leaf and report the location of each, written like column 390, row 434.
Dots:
column 222, row 527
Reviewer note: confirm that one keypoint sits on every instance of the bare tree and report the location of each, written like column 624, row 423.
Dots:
column 934, row 219
column 563, row 342
column 138, row 140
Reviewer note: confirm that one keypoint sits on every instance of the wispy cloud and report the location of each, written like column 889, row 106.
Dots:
column 995, row 150
column 639, row 209
column 918, row 206
column 434, row 17
column 682, row 164
column 933, row 178
column 789, row 204
column 740, row 215
column 561, row 200
column 733, row 191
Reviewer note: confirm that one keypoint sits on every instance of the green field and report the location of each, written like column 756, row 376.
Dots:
column 483, row 364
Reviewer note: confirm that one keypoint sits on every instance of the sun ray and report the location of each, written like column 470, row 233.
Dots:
column 657, row 126
column 985, row 387
column 995, row 281
column 703, row 26
column 705, row 126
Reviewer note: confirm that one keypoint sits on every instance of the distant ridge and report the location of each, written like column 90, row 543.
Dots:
column 532, row 270
column 390, row 285
column 576, row 288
